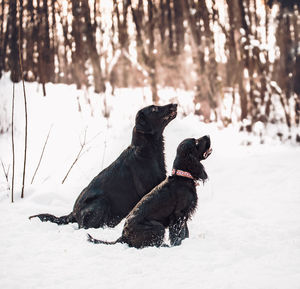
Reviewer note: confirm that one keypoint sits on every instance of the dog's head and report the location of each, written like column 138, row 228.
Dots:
column 189, row 154
column 153, row 119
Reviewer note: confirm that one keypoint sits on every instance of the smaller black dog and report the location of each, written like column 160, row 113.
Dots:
column 170, row 204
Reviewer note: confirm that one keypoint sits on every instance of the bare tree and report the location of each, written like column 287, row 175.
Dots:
column 41, row 157
column 13, row 145
column 145, row 23
column 25, row 108
column 6, row 173
column 166, row 35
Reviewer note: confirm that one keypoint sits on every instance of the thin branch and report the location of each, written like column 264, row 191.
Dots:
column 6, row 172
column 81, row 152
column 95, row 136
column 25, row 108
column 105, row 145
column 77, row 157
column 13, row 145
column 41, row 157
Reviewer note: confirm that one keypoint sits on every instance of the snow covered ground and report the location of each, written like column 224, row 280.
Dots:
column 245, row 233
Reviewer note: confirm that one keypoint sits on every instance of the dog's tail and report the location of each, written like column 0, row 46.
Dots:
column 63, row 220
column 95, row 241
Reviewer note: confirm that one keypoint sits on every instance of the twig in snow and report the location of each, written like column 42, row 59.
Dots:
column 6, row 172
column 13, row 145
column 25, row 107
column 77, row 157
column 94, row 137
column 80, row 153
column 105, row 144
column 41, row 157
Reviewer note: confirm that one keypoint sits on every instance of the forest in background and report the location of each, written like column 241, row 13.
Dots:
column 245, row 53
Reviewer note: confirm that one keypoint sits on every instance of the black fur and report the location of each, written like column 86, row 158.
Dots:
column 170, row 204
column 117, row 189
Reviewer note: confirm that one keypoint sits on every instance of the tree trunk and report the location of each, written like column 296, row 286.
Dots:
column 123, row 38
column 47, row 51
column 68, row 74
column 162, row 25
column 14, row 65
column 29, row 65
column 91, row 46
column 78, row 59
column 179, row 28
column 147, row 58
column 152, row 60
column 201, row 99
column 2, row 48
column 170, row 24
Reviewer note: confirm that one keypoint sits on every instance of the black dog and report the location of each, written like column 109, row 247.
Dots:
column 170, row 204
column 113, row 193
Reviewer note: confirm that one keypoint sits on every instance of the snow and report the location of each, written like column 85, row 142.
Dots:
column 245, row 233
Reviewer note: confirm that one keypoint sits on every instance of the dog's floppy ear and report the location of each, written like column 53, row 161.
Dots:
column 197, row 169
column 202, row 174
column 142, row 125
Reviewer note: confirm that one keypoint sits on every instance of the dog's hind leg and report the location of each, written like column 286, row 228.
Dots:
column 63, row 220
column 94, row 215
column 157, row 234
column 149, row 233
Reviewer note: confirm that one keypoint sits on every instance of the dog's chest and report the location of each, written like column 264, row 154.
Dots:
column 148, row 176
column 186, row 202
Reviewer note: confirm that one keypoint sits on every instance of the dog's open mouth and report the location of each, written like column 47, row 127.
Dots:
column 207, row 153
column 171, row 115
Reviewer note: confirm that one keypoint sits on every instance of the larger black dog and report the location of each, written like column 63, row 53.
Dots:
column 171, row 203
column 117, row 189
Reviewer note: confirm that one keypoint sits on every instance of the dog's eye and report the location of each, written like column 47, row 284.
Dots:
column 154, row 109
column 196, row 142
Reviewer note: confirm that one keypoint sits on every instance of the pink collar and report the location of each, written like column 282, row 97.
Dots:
column 184, row 174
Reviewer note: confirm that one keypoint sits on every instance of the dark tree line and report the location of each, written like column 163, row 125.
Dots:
column 247, row 49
